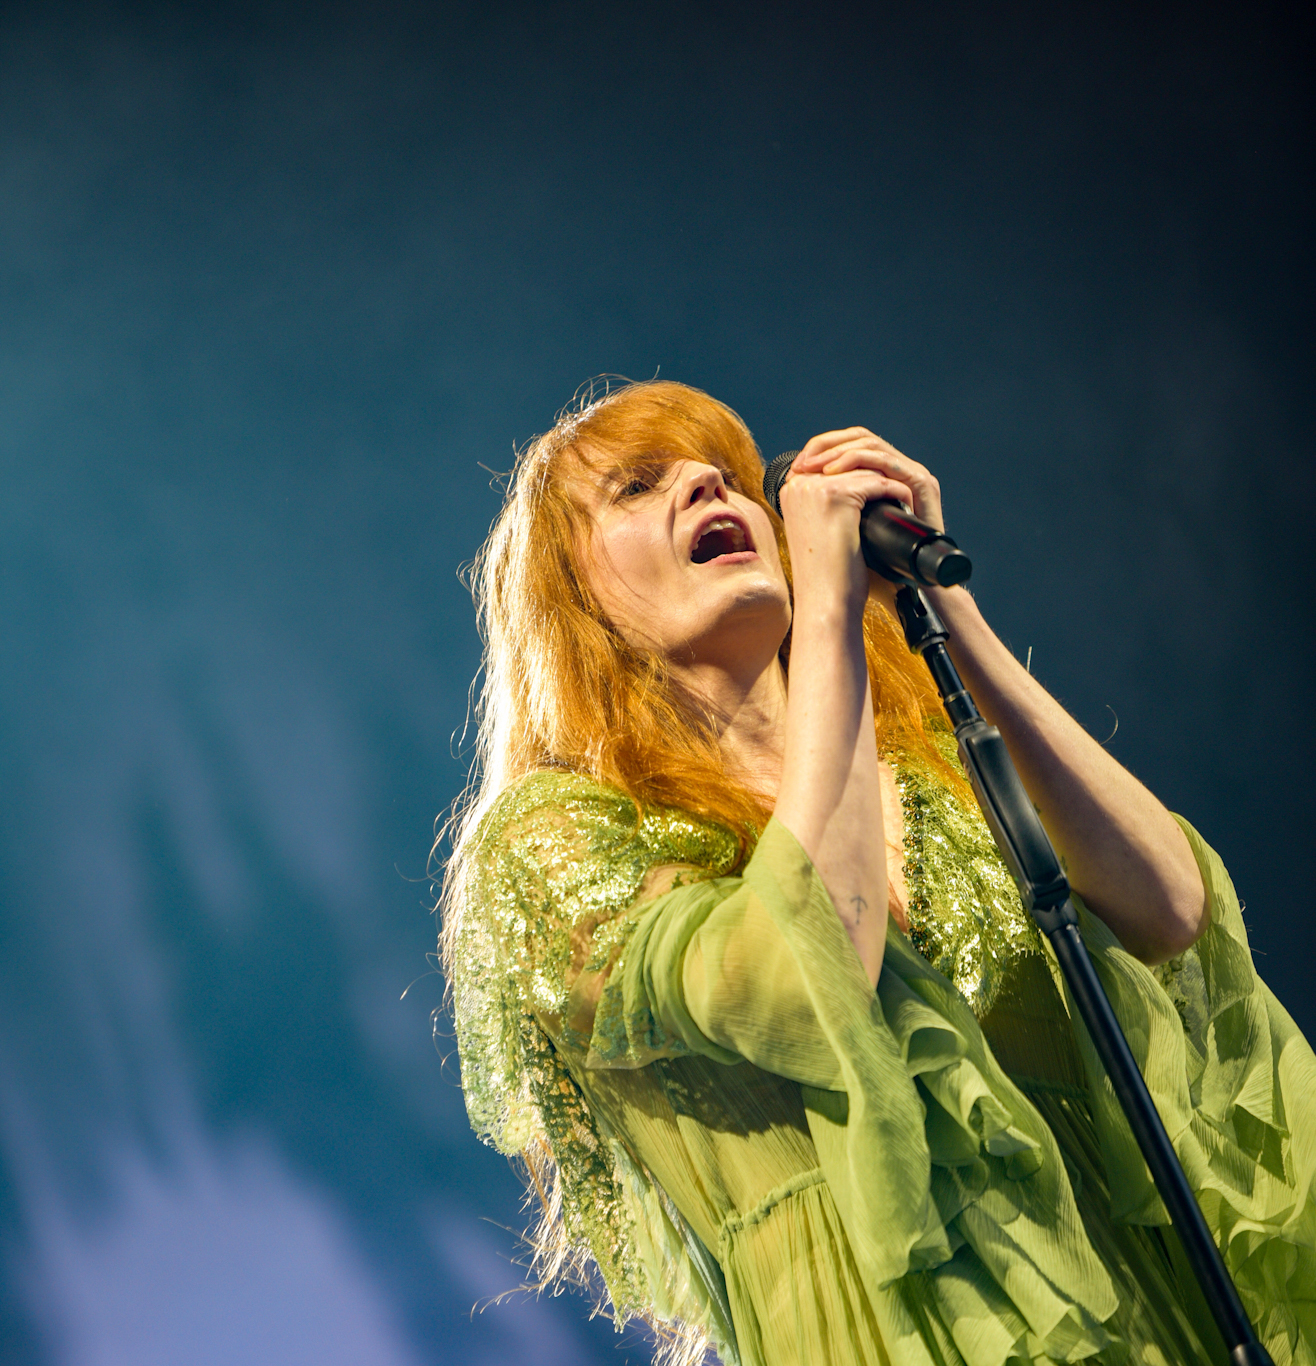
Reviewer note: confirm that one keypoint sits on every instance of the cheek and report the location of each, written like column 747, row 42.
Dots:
column 624, row 567
column 636, row 550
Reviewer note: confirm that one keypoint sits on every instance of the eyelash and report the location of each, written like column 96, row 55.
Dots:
column 644, row 483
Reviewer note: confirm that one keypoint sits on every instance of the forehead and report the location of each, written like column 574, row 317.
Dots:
column 602, row 464
column 586, row 489
column 588, row 476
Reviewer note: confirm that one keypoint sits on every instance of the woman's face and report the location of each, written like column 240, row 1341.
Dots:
column 683, row 562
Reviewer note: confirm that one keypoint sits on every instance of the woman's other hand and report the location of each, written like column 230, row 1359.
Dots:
column 856, row 448
column 873, row 468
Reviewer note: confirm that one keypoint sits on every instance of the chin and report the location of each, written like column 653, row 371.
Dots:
column 753, row 584
column 762, row 600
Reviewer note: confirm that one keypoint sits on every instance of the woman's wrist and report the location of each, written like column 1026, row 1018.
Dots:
column 829, row 603
column 956, row 605
column 980, row 654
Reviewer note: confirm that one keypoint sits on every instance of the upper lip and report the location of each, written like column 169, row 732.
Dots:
column 723, row 514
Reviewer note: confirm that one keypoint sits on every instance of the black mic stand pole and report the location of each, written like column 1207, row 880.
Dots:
column 1027, row 850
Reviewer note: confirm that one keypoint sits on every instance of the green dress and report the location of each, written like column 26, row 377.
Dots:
column 753, row 1141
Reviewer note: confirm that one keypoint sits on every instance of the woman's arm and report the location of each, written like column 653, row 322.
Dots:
column 1122, row 850
column 830, row 796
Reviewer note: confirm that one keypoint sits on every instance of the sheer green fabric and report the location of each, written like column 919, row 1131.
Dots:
column 753, row 1140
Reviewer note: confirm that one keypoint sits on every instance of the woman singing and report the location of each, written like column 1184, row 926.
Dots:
column 738, row 972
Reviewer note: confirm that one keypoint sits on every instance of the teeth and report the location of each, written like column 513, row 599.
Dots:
column 731, row 534
column 726, row 524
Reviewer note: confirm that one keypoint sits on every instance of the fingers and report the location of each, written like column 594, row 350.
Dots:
column 856, row 448
column 924, row 492
column 873, row 484
column 857, row 486
column 816, row 450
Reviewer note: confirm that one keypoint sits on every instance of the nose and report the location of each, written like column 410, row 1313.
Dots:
column 700, row 483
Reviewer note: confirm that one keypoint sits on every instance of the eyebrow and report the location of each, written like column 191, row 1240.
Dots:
column 615, row 474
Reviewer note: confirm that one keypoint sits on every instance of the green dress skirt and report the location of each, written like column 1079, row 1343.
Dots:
column 755, row 1143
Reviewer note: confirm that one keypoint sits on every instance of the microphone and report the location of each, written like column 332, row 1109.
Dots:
column 895, row 543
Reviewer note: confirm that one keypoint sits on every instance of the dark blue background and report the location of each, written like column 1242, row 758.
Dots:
column 278, row 288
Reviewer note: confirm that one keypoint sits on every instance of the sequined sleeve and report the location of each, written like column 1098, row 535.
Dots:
column 549, row 903
column 563, row 864
column 546, row 904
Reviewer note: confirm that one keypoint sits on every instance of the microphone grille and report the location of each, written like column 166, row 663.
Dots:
column 775, row 476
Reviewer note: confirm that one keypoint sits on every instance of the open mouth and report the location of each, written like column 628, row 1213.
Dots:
column 723, row 536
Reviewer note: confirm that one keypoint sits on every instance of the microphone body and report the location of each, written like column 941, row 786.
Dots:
column 895, row 543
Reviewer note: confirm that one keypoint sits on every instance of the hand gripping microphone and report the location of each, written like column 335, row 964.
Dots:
column 895, row 543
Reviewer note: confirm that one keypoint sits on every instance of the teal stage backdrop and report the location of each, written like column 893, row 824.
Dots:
column 280, row 289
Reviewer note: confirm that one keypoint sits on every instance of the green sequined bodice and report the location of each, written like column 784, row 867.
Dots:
column 965, row 916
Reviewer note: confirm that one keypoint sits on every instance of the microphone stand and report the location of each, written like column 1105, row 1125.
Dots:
column 1028, row 852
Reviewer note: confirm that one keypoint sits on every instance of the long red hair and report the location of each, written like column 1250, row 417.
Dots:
column 562, row 689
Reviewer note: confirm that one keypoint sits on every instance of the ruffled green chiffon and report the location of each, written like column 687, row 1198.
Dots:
column 831, row 1174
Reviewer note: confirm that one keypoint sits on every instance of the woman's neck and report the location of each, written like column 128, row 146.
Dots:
column 748, row 711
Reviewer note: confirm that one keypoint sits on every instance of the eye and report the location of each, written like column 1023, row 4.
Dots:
column 731, row 479
column 639, row 480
